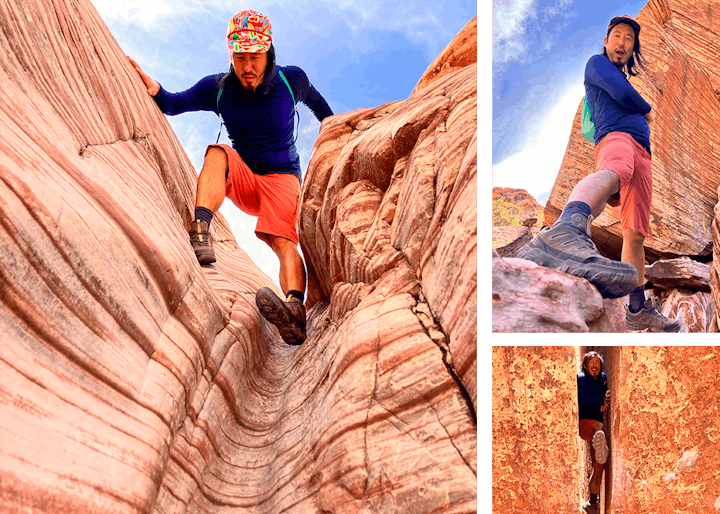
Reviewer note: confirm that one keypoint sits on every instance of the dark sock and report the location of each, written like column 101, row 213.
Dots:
column 637, row 299
column 203, row 214
column 573, row 208
column 593, row 498
column 296, row 294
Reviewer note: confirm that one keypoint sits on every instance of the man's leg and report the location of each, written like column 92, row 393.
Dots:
column 595, row 189
column 211, row 182
column 598, row 456
column 633, row 252
column 292, row 267
column 567, row 246
column 596, row 478
column 209, row 198
column 288, row 316
column 639, row 315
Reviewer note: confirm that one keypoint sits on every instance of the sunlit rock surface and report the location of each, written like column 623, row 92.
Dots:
column 135, row 381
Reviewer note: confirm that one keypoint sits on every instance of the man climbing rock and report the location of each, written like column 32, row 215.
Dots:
column 623, row 162
column 260, row 172
column 593, row 401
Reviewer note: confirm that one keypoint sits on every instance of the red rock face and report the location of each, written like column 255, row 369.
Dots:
column 534, row 429
column 529, row 209
column 394, row 189
column 530, row 298
column 133, row 380
column 680, row 83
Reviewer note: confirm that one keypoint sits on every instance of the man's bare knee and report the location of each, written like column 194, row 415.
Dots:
column 598, row 426
column 215, row 157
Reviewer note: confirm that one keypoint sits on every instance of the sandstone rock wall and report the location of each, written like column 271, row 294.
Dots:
column 681, row 83
column 132, row 380
column 536, row 459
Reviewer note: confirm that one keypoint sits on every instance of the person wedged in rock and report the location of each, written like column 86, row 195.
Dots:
column 593, row 401
column 623, row 162
column 256, row 101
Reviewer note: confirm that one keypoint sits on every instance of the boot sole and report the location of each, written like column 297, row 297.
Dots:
column 600, row 445
column 613, row 279
column 274, row 311
column 205, row 257
column 634, row 326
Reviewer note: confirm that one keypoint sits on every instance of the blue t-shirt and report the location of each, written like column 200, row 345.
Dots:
column 260, row 124
column 591, row 395
column 615, row 105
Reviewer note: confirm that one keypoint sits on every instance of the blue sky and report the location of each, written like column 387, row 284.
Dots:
column 540, row 48
column 356, row 53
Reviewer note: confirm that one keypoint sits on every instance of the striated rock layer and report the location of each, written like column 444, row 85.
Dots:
column 393, row 190
column 679, row 40
column 132, row 380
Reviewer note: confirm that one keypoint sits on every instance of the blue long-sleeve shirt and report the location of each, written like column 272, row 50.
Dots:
column 260, row 124
column 591, row 395
column 615, row 105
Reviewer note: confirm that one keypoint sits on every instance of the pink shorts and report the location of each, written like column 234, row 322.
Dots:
column 620, row 153
column 273, row 198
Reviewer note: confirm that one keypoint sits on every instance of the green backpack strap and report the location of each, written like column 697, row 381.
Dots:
column 282, row 76
column 588, row 127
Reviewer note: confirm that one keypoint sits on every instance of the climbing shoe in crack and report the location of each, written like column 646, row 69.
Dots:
column 649, row 318
column 590, row 508
column 201, row 241
column 288, row 316
column 568, row 248
column 600, row 445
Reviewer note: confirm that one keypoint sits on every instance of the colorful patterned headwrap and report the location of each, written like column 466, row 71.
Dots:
column 249, row 31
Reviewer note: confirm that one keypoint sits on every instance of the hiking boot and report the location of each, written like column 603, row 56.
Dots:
column 201, row 241
column 649, row 318
column 590, row 508
column 599, row 443
column 568, row 248
column 288, row 316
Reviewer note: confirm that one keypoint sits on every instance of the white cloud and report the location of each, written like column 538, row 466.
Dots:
column 535, row 167
column 143, row 10
column 509, row 20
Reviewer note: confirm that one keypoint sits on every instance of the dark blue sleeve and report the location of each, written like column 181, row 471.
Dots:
column 584, row 394
column 306, row 93
column 604, row 74
column 201, row 97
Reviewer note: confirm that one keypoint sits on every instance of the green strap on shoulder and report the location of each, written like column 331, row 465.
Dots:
column 586, row 124
column 282, row 76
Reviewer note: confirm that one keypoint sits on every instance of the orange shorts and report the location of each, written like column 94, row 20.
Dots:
column 273, row 198
column 587, row 427
column 620, row 153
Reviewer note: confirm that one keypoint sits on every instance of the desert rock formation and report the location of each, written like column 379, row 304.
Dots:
column 135, row 381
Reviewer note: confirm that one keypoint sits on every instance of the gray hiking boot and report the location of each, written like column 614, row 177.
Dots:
column 568, row 248
column 599, row 443
column 201, row 241
column 649, row 318
column 288, row 316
